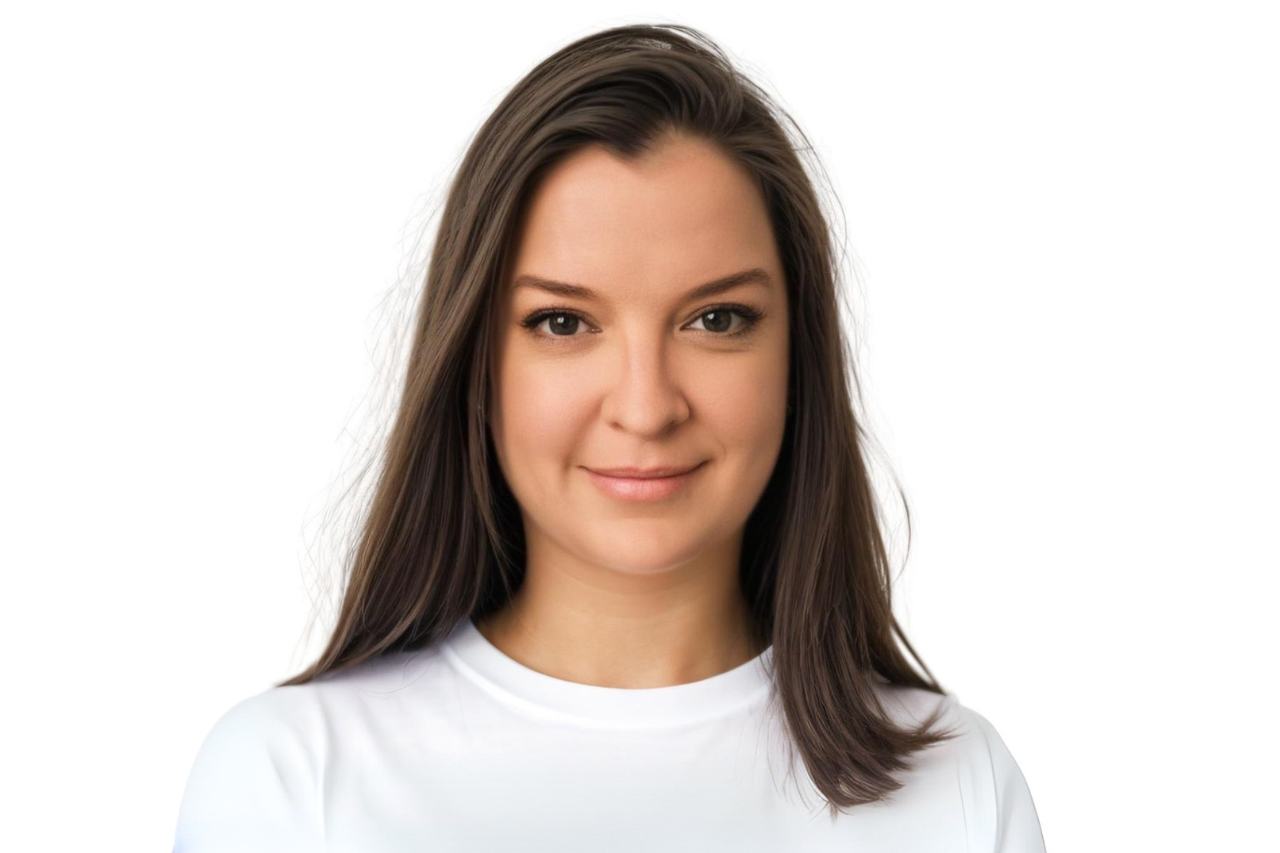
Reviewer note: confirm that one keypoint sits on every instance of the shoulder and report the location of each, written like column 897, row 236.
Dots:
column 290, row 723
column 278, row 721
column 258, row 779
column 976, row 764
column 251, row 785
column 974, row 739
column 968, row 748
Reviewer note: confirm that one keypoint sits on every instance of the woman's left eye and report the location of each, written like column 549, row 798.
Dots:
column 722, row 319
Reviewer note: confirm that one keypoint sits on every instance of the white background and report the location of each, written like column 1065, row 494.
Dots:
column 1064, row 224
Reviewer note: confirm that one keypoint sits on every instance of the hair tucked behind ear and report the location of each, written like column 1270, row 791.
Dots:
column 442, row 537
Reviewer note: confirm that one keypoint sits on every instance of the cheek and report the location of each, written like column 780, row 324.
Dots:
column 745, row 404
column 745, row 412
column 540, row 414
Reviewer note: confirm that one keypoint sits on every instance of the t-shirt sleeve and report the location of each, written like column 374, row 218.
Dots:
column 251, row 785
column 1016, row 826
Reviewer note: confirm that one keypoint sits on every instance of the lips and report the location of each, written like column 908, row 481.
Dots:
column 645, row 473
column 644, row 484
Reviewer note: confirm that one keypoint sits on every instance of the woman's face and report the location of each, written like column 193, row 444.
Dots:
column 633, row 370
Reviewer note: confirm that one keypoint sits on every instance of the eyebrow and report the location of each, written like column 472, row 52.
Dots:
column 755, row 275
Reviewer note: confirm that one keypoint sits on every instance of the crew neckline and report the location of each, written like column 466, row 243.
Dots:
column 542, row 695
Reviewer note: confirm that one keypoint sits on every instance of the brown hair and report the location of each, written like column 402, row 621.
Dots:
column 442, row 538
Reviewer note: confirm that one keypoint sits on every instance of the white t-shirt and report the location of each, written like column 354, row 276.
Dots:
column 458, row 747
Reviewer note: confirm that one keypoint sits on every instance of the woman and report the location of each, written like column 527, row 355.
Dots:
column 623, row 564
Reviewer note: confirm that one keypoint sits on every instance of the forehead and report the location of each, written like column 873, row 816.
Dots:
column 682, row 212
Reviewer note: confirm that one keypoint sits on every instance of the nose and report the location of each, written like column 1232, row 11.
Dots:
column 644, row 397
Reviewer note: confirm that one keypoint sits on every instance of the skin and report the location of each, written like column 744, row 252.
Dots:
column 637, row 594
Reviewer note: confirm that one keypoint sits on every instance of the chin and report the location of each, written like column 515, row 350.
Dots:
column 646, row 549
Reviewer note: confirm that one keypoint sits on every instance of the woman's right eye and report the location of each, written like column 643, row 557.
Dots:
column 560, row 324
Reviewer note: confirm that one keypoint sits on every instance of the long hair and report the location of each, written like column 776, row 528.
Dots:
column 442, row 537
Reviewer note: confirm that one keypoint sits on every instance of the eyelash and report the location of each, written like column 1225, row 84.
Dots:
column 751, row 316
